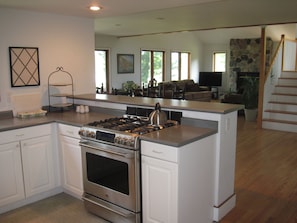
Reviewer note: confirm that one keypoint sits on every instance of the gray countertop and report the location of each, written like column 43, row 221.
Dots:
column 211, row 107
column 178, row 136
column 174, row 136
column 67, row 117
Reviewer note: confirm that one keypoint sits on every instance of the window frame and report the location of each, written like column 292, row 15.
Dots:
column 107, row 62
column 152, row 63
column 180, row 64
column 214, row 61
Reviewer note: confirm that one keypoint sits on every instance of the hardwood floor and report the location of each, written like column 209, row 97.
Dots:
column 265, row 176
column 265, row 184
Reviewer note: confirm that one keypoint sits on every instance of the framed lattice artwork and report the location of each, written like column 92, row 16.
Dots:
column 24, row 66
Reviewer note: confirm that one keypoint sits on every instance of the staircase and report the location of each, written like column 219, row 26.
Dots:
column 281, row 113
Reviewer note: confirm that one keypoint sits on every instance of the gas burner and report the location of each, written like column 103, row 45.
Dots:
column 126, row 124
column 121, row 131
column 130, row 124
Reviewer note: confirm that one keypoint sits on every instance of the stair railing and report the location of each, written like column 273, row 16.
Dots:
column 279, row 46
column 268, row 87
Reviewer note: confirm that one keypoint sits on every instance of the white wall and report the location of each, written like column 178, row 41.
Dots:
column 185, row 41
column 62, row 41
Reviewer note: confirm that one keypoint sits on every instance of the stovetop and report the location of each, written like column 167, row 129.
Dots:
column 121, row 131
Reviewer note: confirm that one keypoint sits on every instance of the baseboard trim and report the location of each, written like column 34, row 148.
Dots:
column 223, row 209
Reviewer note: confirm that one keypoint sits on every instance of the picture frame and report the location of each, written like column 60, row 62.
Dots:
column 24, row 66
column 125, row 63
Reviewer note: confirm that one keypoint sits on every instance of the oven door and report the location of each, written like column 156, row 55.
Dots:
column 111, row 173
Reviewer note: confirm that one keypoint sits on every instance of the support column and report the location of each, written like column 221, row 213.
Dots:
column 262, row 76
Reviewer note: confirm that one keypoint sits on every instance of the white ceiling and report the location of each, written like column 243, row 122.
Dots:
column 141, row 17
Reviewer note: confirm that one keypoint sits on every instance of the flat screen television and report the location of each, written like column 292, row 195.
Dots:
column 210, row 79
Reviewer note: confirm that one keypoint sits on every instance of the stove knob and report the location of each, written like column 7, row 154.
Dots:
column 93, row 135
column 90, row 134
column 81, row 132
column 120, row 140
column 117, row 139
column 131, row 142
column 125, row 141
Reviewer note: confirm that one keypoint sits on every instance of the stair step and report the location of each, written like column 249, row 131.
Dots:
column 289, row 74
column 284, row 85
column 281, row 112
column 288, row 98
column 280, row 121
column 279, row 125
column 288, row 78
column 287, row 81
column 282, row 103
column 280, row 115
column 285, row 94
column 282, row 106
column 286, row 89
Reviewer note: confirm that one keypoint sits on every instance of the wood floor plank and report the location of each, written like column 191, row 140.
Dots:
column 265, row 176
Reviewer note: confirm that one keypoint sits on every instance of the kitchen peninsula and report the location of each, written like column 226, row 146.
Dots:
column 223, row 117
column 219, row 119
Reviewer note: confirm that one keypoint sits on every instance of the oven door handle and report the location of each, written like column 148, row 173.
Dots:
column 126, row 215
column 126, row 155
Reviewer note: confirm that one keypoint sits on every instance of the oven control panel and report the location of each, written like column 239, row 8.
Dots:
column 115, row 138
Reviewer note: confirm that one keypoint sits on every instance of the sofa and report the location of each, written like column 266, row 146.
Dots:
column 184, row 89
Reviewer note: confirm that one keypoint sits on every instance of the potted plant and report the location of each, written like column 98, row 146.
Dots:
column 130, row 87
column 250, row 97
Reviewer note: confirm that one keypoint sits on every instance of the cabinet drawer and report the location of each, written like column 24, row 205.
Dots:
column 69, row 130
column 25, row 133
column 159, row 151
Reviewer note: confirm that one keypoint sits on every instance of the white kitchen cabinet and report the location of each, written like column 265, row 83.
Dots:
column 71, row 160
column 27, row 165
column 178, row 182
column 11, row 176
column 159, row 190
column 38, row 165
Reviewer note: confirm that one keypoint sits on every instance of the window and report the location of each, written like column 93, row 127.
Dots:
column 152, row 66
column 102, row 69
column 219, row 62
column 180, row 66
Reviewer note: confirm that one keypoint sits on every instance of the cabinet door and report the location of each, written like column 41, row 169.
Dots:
column 72, row 166
column 159, row 190
column 38, row 167
column 11, row 177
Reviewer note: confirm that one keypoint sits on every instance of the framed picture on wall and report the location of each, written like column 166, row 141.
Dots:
column 24, row 66
column 125, row 63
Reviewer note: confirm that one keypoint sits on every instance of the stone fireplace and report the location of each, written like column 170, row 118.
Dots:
column 245, row 56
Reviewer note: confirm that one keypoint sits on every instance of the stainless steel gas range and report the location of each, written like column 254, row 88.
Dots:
column 111, row 166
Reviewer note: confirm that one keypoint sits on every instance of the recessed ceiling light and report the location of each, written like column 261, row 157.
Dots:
column 95, row 8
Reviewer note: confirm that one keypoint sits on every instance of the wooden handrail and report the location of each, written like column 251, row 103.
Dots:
column 280, row 44
column 264, row 74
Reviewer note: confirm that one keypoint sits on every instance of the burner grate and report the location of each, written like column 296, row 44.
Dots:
column 130, row 124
